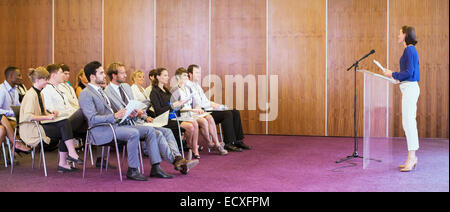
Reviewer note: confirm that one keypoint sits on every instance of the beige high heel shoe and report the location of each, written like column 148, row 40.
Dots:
column 219, row 149
column 409, row 167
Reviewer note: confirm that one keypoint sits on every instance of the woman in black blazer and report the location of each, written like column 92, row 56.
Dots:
column 160, row 98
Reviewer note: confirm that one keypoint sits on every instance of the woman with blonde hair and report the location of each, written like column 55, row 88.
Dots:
column 138, row 86
column 33, row 109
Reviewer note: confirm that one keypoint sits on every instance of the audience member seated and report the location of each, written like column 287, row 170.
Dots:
column 138, row 86
column 9, row 96
column 97, row 108
column 160, row 98
column 59, row 129
column 139, row 91
column 205, row 121
column 120, row 94
column 230, row 119
column 151, row 77
column 57, row 100
column 81, row 82
column 66, row 88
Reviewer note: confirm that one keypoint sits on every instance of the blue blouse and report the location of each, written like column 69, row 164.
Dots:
column 409, row 66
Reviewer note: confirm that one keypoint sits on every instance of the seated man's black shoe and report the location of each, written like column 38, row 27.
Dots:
column 241, row 145
column 232, row 148
column 98, row 164
column 158, row 172
column 133, row 174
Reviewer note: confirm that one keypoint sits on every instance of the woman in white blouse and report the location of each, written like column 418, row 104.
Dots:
column 57, row 100
column 206, row 123
column 138, row 86
column 139, row 91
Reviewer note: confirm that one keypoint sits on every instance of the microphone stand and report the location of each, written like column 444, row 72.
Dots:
column 355, row 146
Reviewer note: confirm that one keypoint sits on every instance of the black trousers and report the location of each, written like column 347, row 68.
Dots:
column 231, row 125
column 59, row 131
column 79, row 124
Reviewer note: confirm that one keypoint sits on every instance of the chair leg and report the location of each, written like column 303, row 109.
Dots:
column 4, row 154
column 107, row 158
column 40, row 156
column 33, row 154
column 140, row 159
column 13, row 151
column 90, row 151
column 101, row 162
column 181, row 139
column 43, row 158
column 8, row 143
column 123, row 154
column 118, row 159
column 86, row 150
column 221, row 134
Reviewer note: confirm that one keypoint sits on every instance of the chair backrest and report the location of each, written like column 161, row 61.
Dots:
column 16, row 110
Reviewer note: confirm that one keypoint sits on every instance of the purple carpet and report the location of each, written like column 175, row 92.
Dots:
column 276, row 163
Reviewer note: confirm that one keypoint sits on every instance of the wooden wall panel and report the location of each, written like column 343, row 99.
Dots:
column 297, row 54
column 354, row 28
column 129, row 35
column 238, row 46
column 7, row 35
column 430, row 19
column 182, row 34
column 33, row 35
column 78, row 33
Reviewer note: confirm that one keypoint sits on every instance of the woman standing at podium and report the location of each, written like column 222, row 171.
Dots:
column 408, row 76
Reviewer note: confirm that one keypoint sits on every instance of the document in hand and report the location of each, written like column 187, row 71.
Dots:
column 131, row 106
column 379, row 65
column 159, row 121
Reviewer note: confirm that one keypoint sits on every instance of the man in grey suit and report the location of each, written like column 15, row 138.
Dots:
column 120, row 94
column 97, row 108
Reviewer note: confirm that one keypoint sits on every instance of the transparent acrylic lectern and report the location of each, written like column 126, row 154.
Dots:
column 377, row 145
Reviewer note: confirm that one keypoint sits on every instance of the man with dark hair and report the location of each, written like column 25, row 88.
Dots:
column 96, row 106
column 230, row 119
column 9, row 95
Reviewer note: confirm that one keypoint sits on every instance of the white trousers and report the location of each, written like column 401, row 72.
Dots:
column 410, row 95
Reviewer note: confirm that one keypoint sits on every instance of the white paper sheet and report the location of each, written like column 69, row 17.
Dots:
column 379, row 65
column 131, row 106
column 159, row 121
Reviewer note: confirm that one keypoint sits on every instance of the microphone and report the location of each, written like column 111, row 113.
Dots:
column 371, row 52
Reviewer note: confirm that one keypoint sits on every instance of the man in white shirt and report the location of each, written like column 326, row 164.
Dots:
column 230, row 119
column 9, row 95
column 67, row 89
